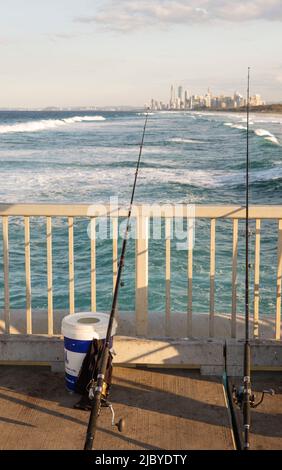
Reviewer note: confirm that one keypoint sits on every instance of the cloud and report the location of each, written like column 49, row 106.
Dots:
column 127, row 15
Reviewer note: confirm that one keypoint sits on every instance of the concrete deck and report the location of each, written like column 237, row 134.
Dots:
column 266, row 420
column 164, row 409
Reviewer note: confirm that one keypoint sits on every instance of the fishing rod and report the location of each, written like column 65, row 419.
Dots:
column 244, row 397
column 246, row 406
column 96, row 388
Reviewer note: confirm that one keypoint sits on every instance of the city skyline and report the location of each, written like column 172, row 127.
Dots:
column 109, row 53
column 181, row 98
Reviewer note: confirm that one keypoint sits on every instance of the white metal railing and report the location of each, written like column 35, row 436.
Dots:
column 142, row 214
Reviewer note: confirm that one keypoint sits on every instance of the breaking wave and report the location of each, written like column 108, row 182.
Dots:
column 266, row 135
column 179, row 140
column 235, row 126
column 263, row 133
column 211, row 179
column 43, row 124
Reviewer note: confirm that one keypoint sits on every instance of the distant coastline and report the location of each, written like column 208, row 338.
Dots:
column 266, row 108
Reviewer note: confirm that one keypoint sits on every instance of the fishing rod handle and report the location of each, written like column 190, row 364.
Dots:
column 96, row 406
column 92, row 425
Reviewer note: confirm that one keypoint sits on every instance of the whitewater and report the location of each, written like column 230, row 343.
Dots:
column 44, row 124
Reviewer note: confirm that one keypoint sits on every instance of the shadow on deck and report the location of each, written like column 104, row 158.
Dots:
column 164, row 409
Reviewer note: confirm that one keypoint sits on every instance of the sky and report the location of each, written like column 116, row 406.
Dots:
column 125, row 52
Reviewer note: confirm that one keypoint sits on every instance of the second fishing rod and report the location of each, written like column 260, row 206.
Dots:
column 243, row 396
column 96, row 389
column 247, row 348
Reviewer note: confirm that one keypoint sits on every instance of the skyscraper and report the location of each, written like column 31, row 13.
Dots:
column 186, row 99
column 180, row 92
column 171, row 102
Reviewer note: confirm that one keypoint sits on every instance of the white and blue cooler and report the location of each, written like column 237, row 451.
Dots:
column 79, row 329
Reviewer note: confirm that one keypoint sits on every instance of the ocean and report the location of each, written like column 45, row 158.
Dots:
column 89, row 157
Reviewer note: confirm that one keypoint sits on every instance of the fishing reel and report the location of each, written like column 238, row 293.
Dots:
column 238, row 396
column 106, row 404
column 121, row 423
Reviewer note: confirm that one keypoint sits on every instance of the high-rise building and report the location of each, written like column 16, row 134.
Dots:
column 186, row 100
column 180, row 92
column 172, row 97
column 256, row 100
column 207, row 99
column 238, row 100
column 191, row 103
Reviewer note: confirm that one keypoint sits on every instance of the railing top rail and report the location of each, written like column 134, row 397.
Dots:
column 146, row 210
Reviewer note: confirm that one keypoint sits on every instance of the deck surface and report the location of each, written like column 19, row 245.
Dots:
column 164, row 409
column 266, row 420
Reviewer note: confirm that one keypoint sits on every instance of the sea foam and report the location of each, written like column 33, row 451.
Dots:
column 272, row 139
column 267, row 136
column 179, row 140
column 44, row 124
column 235, row 126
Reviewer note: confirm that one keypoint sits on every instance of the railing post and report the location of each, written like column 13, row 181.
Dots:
column 115, row 249
column 167, row 276
column 190, row 226
column 115, row 256
column 5, row 229
column 71, row 267
column 27, row 276
column 93, row 263
column 49, row 275
column 212, row 277
column 278, row 282
column 256, row 279
column 141, row 302
column 234, row 278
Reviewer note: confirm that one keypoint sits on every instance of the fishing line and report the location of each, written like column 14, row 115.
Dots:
column 96, row 388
